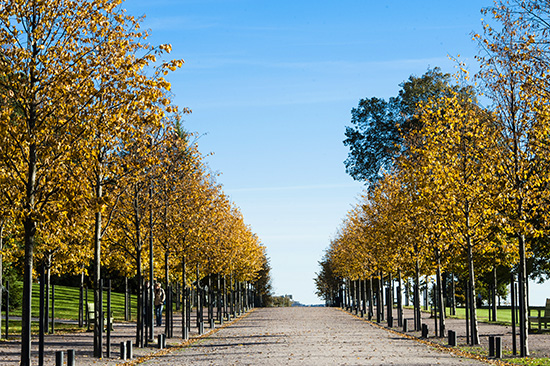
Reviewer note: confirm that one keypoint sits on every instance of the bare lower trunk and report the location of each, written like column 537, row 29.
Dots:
column 417, row 311
column 494, row 296
column 440, row 303
column 453, row 295
column 1, row 270
column 98, row 327
column 400, row 300
column 30, row 231
column 523, row 305
column 473, row 311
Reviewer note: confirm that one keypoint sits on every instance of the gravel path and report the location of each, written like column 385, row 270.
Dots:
column 282, row 336
column 306, row 336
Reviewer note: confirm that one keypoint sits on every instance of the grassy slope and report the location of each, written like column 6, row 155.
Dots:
column 66, row 307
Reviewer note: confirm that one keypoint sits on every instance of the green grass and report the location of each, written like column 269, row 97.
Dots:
column 529, row 361
column 66, row 307
column 67, row 299
column 504, row 316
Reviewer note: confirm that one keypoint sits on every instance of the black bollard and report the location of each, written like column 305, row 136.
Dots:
column 405, row 325
column 452, row 338
column 212, row 326
column 498, row 347
column 123, row 351
column 201, row 328
column 71, row 355
column 129, row 350
column 491, row 346
column 159, row 341
column 425, row 330
column 58, row 358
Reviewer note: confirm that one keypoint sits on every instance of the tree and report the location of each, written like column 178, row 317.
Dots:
column 379, row 128
column 513, row 79
column 327, row 283
column 458, row 147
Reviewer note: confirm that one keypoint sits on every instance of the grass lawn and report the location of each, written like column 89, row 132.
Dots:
column 504, row 316
column 66, row 307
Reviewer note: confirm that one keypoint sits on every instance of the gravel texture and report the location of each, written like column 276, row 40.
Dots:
column 283, row 336
column 307, row 336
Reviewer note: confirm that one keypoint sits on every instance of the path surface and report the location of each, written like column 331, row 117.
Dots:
column 306, row 336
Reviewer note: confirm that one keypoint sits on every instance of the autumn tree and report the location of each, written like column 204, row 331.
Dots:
column 458, row 147
column 514, row 78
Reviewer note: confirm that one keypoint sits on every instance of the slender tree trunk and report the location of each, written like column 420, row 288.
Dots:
column 441, row 304
column 357, row 296
column 523, row 305
column 381, row 295
column 167, row 267
column 1, row 271
column 426, row 293
column 371, row 298
column 185, row 330
column 97, row 274
column 453, row 295
column 473, row 312
column 389, row 301
column 495, row 284
column 400, row 300
column 417, row 311
column 48, row 287
column 467, row 311
column 140, row 302
column 29, row 222
column 126, row 300
column 379, row 300
column 141, row 290
column 151, row 305
column 199, row 302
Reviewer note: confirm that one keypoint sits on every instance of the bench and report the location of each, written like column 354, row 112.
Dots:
column 540, row 319
column 90, row 310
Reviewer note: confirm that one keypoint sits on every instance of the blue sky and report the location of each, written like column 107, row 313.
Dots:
column 271, row 85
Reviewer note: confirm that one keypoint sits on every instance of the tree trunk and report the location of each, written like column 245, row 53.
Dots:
column 523, row 305
column 440, row 303
column 166, row 267
column 140, row 302
column 453, row 295
column 495, row 284
column 400, row 300
column 185, row 330
column 371, row 299
column 29, row 222
column 151, row 305
column 81, row 301
column 141, row 290
column 381, row 294
column 1, row 272
column 473, row 312
column 98, row 327
column 467, row 311
column 30, row 231
column 417, row 311
column 48, row 286
column 389, row 301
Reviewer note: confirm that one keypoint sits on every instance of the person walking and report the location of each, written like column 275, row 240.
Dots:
column 160, row 296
